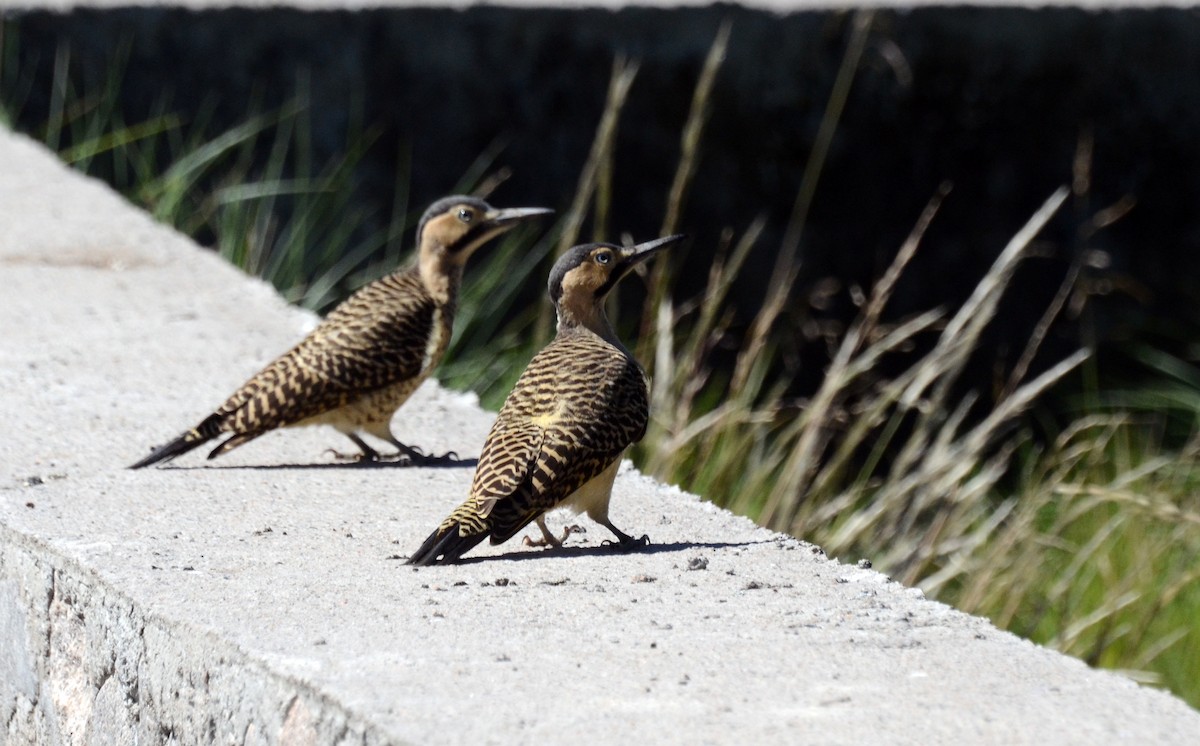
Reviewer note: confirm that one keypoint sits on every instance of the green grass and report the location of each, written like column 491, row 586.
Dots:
column 1097, row 556
column 1084, row 540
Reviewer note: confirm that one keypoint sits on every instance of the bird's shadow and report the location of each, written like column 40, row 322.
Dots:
column 464, row 463
column 602, row 550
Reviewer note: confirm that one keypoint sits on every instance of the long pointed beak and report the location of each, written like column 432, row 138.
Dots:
column 514, row 215
column 641, row 252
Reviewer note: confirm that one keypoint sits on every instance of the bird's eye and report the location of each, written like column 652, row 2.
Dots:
column 465, row 215
column 604, row 257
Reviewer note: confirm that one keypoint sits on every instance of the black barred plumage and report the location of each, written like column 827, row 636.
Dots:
column 367, row 357
column 559, row 437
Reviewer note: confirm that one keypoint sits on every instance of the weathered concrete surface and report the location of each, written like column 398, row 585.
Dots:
column 259, row 599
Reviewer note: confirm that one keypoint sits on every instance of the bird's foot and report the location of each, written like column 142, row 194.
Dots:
column 627, row 543
column 414, row 457
column 362, row 457
column 545, row 541
column 549, row 541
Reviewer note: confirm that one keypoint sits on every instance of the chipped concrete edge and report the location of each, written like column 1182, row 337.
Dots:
column 83, row 663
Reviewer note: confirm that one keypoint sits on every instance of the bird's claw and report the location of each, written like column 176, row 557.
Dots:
column 413, row 456
column 549, row 542
column 629, row 543
column 422, row 459
column 360, row 458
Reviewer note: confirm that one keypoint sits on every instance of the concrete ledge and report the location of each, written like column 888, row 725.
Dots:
column 83, row 663
column 258, row 599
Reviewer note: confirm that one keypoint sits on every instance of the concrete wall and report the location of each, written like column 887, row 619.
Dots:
column 84, row 664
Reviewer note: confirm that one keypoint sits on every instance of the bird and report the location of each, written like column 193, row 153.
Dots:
column 363, row 361
column 559, row 437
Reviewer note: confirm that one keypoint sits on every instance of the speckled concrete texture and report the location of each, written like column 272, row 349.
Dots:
column 262, row 598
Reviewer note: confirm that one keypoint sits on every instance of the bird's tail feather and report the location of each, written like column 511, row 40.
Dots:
column 197, row 436
column 445, row 545
column 234, row 442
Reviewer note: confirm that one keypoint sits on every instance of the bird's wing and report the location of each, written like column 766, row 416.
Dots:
column 531, row 463
column 505, row 468
column 575, row 409
column 356, row 350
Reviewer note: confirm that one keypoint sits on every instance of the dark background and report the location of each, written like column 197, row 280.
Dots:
column 994, row 101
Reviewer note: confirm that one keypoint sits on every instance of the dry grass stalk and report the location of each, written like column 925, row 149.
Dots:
column 838, row 96
column 623, row 74
column 784, row 500
column 660, row 310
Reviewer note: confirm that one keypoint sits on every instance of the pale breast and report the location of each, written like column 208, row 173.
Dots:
column 380, row 405
column 592, row 498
